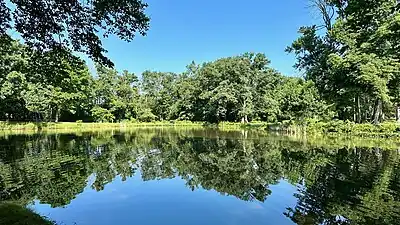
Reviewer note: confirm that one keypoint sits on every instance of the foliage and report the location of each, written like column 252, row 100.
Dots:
column 354, row 63
column 115, row 95
column 42, row 86
column 102, row 115
column 386, row 129
column 57, row 86
column 351, row 66
column 157, row 88
column 51, row 24
column 240, row 88
column 146, row 116
column 295, row 99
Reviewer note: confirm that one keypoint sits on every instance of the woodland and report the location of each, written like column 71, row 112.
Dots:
column 350, row 64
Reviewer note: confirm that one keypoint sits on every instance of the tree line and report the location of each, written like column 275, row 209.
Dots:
column 351, row 66
column 57, row 86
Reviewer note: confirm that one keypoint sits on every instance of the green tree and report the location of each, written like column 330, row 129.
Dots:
column 368, row 58
column 158, row 89
column 49, row 24
column 66, row 80
column 228, row 87
column 299, row 100
column 185, row 99
column 13, row 79
column 115, row 94
column 353, row 63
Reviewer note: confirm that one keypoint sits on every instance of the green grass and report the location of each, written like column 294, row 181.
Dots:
column 44, row 126
column 335, row 142
column 309, row 127
column 12, row 214
column 389, row 129
column 236, row 126
column 80, row 126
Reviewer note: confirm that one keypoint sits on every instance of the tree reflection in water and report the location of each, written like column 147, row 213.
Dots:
column 337, row 184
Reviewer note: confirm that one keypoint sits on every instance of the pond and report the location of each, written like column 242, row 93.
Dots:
column 199, row 176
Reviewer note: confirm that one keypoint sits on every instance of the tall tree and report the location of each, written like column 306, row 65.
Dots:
column 66, row 78
column 367, row 59
column 158, row 90
column 353, row 64
column 116, row 95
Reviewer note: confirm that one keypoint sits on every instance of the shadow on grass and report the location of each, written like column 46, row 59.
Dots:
column 12, row 214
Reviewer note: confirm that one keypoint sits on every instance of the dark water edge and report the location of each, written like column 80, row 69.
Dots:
column 200, row 176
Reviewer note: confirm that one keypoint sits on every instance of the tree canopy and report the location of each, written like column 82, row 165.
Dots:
column 74, row 24
column 351, row 66
column 354, row 63
column 57, row 86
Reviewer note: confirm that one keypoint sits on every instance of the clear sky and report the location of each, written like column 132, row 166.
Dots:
column 205, row 30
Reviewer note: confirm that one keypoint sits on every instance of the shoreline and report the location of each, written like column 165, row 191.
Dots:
column 333, row 128
column 48, row 126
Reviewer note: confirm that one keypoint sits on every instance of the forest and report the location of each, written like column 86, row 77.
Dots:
column 350, row 64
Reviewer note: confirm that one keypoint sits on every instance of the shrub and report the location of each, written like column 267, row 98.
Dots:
column 147, row 116
column 102, row 115
column 79, row 122
column 388, row 127
column 364, row 128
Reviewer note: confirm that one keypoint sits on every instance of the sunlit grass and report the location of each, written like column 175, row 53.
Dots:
column 29, row 126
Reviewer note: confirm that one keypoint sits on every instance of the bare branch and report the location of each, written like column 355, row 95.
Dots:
column 326, row 10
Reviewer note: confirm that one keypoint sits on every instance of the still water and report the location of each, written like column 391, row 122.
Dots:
column 166, row 176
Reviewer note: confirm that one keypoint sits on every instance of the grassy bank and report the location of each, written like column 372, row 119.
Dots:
column 80, row 126
column 12, row 214
column 338, row 127
column 44, row 126
column 308, row 127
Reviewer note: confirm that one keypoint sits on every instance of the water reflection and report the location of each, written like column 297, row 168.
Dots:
column 336, row 185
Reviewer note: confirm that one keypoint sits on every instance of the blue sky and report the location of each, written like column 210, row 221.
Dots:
column 186, row 30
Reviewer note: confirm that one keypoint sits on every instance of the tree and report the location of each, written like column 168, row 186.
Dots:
column 115, row 94
column 38, row 100
column 74, row 24
column 157, row 88
column 14, row 62
column 65, row 78
column 353, row 64
column 368, row 60
column 228, row 86
column 185, row 94
column 296, row 99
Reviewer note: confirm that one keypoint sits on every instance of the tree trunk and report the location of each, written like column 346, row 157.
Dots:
column 377, row 111
column 50, row 117
column 398, row 112
column 244, row 118
column 359, row 119
column 57, row 115
column 355, row 111
column 38, row 116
